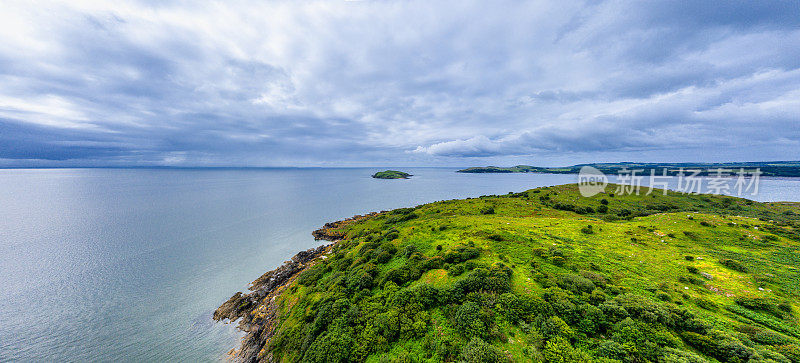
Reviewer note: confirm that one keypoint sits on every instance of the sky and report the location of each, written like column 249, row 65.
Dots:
column 397, row 83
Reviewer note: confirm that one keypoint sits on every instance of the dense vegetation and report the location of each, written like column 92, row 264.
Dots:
column 772, row 168
column 391, row 174
column 547, row 275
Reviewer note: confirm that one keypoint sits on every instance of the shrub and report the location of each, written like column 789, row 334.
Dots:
column 487, row 210
column 560, row 351
column 719, row 345
column 359, row 281
column 478, row 351
column 575, row 283
column 692, row 269
column 383, row 257
column 556, row 327
column 602, row 209
column 398, row 275
column 461, row 254
column 672, row 355
column 310, row 276
column 402, row 218
column 604, row 201
column 496, row 237
column 456, row 270
column 471, row 320
column 766, row 305
column 706, row 304
column 564, row 206
column 587, row 230
column 334, row 346
column 689, row 258
column 495, row 279
column 791, row 351
column 733, row 265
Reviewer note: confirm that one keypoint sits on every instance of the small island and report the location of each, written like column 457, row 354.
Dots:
column 391, row 174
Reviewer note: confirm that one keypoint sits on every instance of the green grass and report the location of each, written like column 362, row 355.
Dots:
column 542, row 276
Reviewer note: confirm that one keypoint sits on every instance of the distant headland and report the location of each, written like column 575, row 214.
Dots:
column 767, row 168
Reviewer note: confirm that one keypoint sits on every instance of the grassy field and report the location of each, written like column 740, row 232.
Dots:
column 547, row 275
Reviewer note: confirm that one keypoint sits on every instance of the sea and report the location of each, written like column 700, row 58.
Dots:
column 129, row 264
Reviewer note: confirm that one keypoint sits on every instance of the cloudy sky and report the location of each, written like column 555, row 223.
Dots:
column 325, row 83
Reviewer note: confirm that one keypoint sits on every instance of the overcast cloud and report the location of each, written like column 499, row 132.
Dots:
column 279, row 83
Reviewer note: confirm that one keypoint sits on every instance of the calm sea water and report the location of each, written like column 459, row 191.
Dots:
column 129, row 264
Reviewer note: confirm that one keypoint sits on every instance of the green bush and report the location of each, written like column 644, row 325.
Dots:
column 311, row 275
column 734, row 265
column 471, row 320
column 478, row 351
column 383, row 257
column 574, row 283
column 791, row 351
column 456, row 270
column 559, row 350
column 461, row 254
column 720, row 346
column 554, row 326
column 760, row 304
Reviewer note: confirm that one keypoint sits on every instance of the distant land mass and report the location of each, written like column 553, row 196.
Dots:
column 391, row 174
column 768, row 168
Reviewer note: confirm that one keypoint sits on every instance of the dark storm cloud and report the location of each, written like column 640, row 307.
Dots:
column 315, row 83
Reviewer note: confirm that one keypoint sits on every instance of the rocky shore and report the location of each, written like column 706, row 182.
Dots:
column 256, row 311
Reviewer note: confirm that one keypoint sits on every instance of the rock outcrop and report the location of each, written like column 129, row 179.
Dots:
column 257, row 310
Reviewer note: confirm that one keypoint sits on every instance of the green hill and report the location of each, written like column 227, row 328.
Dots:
column 391, row 174
column 541, row 275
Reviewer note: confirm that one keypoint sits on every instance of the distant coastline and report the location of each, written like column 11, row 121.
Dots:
column 767, row 168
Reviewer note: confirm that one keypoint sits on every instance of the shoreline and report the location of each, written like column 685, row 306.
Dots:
column 256, row 312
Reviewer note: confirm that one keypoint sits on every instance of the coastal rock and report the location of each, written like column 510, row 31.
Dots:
column 257, row 311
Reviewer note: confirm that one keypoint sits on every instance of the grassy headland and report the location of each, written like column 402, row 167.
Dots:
column 391, row 174
column 541, row 275
column 768, row 168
